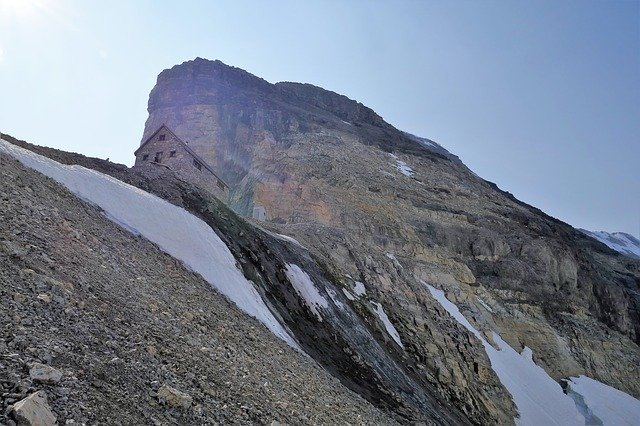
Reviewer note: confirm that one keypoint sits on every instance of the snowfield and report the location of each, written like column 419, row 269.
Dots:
column 173, row 229
column 305, row 288
column 618, row 241
column 540, row 400
column 607, row 404
column 402, row 166
column 387, row 324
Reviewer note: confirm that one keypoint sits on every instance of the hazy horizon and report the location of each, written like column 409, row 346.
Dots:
column 541, row 98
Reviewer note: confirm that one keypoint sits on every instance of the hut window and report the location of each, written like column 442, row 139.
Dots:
column 162, row 137
column 197, row 164
column 172, row 154
column 158, row 158
column 145, row 157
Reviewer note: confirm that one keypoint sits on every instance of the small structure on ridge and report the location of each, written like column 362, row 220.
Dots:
column 164, row 148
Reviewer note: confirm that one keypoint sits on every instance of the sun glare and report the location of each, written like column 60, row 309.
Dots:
column 20, row 8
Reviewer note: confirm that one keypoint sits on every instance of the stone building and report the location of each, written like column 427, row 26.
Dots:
column 164, row 148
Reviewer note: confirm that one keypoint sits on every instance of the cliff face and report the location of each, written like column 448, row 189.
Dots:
column 389, row 211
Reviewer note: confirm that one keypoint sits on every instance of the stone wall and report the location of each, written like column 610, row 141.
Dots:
column 172, row 153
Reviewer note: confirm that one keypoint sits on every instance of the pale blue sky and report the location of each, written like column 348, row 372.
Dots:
column 541, row 97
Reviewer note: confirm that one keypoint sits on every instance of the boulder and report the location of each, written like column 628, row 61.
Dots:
column 34, row 410
column 173, row 397
column 44, row 373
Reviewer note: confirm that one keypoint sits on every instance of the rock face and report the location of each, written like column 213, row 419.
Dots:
column 389, row 210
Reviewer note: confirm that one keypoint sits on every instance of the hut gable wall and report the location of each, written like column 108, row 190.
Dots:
column 165, row 148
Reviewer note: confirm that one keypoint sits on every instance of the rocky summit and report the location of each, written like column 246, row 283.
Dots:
column 411, row 290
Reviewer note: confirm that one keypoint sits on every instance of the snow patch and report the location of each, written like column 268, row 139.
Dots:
column 173, row 229
column 359, row 289
column 484, row 305
column 334, row 298
column 404, row 168
column 394, row 259
column 607, row 404
column 348, row 295
column 618, row 241
column 306, row 289
column 387, row 324
column 539, row 399
column 289, row 239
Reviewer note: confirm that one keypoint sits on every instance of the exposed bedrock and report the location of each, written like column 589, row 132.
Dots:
column 331, row 173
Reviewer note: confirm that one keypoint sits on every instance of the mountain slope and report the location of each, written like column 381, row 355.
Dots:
column 618, row 241
column 421, row 287
column 343, row 343
column 120, row 319
column 378, row 208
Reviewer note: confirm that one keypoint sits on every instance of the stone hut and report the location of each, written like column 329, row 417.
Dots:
column 164, row 148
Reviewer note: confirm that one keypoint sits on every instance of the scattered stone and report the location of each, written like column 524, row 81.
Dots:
column 44, row 373
column 19, row 297
column 44, row 297
column 34, row 410
column 173, row 397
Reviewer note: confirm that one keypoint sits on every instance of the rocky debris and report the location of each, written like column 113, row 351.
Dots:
column 44, row 297
column 125, row 317
column 34, row 410
column 173, row 397
column 44, row 373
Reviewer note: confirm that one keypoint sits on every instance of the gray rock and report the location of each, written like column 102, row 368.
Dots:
column 44, row 373
column 34, row 410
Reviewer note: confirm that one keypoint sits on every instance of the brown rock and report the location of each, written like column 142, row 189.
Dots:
column 44, row 297
column 173, row 397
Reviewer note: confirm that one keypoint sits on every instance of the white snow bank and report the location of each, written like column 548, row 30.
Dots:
column 618, row 241
column 348, row 294
column 609, row 405
column 173, row 229
column 484, row 305
column 402, row 166
column 387, row 324
column 334, row 298
column 393, row 258
column 305, row 288
column 539, row 399
column 284, row 238
column 359, row 289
